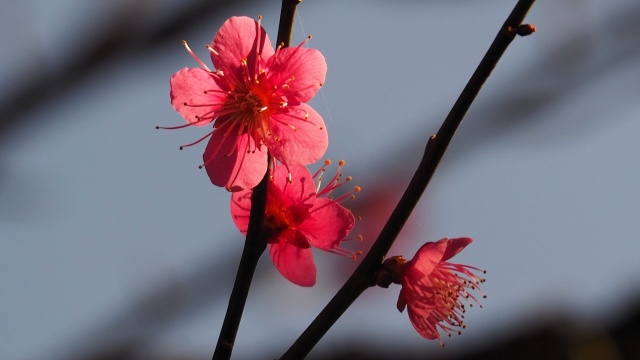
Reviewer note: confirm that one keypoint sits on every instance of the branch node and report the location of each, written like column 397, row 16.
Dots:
column 525, row 30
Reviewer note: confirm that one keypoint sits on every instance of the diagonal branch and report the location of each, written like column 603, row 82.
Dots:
column 362, row 277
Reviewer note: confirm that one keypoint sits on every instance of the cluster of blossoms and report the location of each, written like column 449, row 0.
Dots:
column 255, row 100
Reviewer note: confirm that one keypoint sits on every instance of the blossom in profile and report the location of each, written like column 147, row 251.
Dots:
column 434, row 291
column 255, row 100
column 299, row 215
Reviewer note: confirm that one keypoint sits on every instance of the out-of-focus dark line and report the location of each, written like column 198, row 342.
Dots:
column 121, row 39
column 541, row 88
column 157, row 309
column 537, row 88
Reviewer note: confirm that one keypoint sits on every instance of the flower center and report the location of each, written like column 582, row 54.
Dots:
column 277, row 219
column 252, row 103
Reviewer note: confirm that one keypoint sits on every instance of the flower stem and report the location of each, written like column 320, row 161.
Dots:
column 285, row 28
column 362, row 277
column 255, row 244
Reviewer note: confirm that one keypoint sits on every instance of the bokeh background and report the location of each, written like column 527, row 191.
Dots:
column 113, row 245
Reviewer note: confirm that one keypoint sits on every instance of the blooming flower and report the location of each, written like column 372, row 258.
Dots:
column 434, row 290
column 299, row 215
column 256, row 99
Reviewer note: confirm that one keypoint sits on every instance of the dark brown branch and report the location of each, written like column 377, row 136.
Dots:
column 255, row 244
column 285, row 28
column 362, row 277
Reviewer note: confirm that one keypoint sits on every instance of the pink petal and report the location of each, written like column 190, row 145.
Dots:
column 236, row 40
column 240, row 209
column 228, row 163
column 427, row 258
column 301, row 191
column 454, row 246
column 298, row 139
column 423, row 323
column 188, row 86
column 295, row 264
column 307, row 67
column 327, row 225
column 293, row 237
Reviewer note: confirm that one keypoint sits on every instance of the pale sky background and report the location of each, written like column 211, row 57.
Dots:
column 99, row 211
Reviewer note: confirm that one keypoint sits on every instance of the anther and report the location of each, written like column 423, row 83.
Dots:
column 173, row 127
column 208, row 47
column 196, row 58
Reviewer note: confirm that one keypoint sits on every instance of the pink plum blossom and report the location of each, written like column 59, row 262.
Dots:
column 298, row 216
column 256, row 100
column 435, row 291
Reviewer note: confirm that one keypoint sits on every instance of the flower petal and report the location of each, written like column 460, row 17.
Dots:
column 241, row 208
column 303, row 70
column 294, row 263
column 299, row 136
column 293, row 237
column 423, row 322
column 231, row 162
column 235, row 41
column 301, row 191
column 328, row 224
column 192, row 88
column 454, row 246
column 427, row 258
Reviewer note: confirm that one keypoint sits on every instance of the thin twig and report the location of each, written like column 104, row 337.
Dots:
column 362, row 278
column 255, row 244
